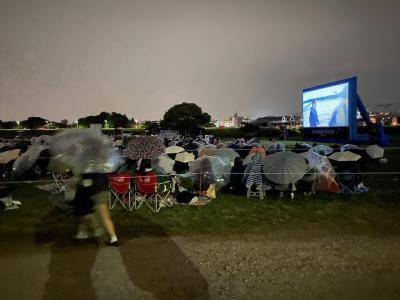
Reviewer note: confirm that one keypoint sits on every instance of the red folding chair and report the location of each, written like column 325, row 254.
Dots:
column 120, row 191
column 147, row 192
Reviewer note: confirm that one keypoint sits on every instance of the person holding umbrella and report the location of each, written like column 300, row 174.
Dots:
column 88, row 154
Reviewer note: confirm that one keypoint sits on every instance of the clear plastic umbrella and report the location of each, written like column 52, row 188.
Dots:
column 248, row 159
column 228, row 155
column 320, row 162
column 210, row 168
column 27, row 159
column 83, row 151
column 375, row 151
column 284, row 167
column 275, row 147
column 322, row 149
column 348, row 147
column 163, row 163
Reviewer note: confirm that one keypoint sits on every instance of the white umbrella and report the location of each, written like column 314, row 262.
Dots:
column 284, row 167
column 163, row 163
column 322, row 149
column 184, row 157
column 174, row 149
column 345, row 156
column 375, row 151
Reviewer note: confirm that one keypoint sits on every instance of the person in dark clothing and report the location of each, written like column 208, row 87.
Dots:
column 236, row 186
column 92, row 196
column 314, row 121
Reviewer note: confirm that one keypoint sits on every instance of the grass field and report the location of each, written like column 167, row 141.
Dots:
column 377, row 211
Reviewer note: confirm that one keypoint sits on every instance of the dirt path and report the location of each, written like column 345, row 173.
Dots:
column 278, row 266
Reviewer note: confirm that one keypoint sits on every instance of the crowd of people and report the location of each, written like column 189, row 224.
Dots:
column 195, row 167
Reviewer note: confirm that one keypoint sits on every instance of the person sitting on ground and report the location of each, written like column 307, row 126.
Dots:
column 307, row 183
column 236, row 186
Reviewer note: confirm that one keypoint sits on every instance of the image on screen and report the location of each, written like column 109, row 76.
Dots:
column 326, row 107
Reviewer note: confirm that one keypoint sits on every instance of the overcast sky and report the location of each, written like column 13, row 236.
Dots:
column 71, row 58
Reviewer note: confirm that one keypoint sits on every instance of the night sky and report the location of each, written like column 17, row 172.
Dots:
column 72, row 58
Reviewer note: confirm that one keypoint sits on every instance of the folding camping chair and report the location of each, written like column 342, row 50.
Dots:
column 60, row 181
column 120, row 191
column 346, row 181
column 154, row 194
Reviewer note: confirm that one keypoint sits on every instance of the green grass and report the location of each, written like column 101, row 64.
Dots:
column 375, row 212
column 370, row 213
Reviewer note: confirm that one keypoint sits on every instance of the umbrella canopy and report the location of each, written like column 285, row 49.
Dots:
column 144, row 147
column 210, row 146
column 275, row 147
column 212, row 168
column 184, row 157
column 345, row 156
column 228, row 155
column 320, row 162
column 208, row 151
column 7, row 156
column 43, row 139
column 253, row 174
column 284, row 167
column 375, row 151
column 348, row 147
column 248, row 159
column 26, row 160
column 174, row 149
column 322, row 149
column 163, row 163
column 191, row 147
column 82, row 150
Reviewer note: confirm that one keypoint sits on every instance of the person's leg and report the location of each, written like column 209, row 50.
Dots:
column 105, row 217
column 83, row 228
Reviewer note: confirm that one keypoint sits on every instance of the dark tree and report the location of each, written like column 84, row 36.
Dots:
column 119, row 120
column 9, row 125
column 185, row 116
column 34, row 122
column 114, row 120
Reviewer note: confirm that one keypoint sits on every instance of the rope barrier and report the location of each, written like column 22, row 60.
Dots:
column 193, row 174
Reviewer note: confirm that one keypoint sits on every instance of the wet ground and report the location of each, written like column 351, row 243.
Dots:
column 281, row 265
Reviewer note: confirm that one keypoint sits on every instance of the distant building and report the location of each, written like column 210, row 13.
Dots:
column 287, row 120
column 234, row 121
column 389, row 114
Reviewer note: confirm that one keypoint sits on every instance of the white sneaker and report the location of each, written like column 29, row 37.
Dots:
column 82, row 233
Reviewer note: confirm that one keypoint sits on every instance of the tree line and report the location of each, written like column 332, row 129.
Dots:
column 112, row 120
column 180, row 116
